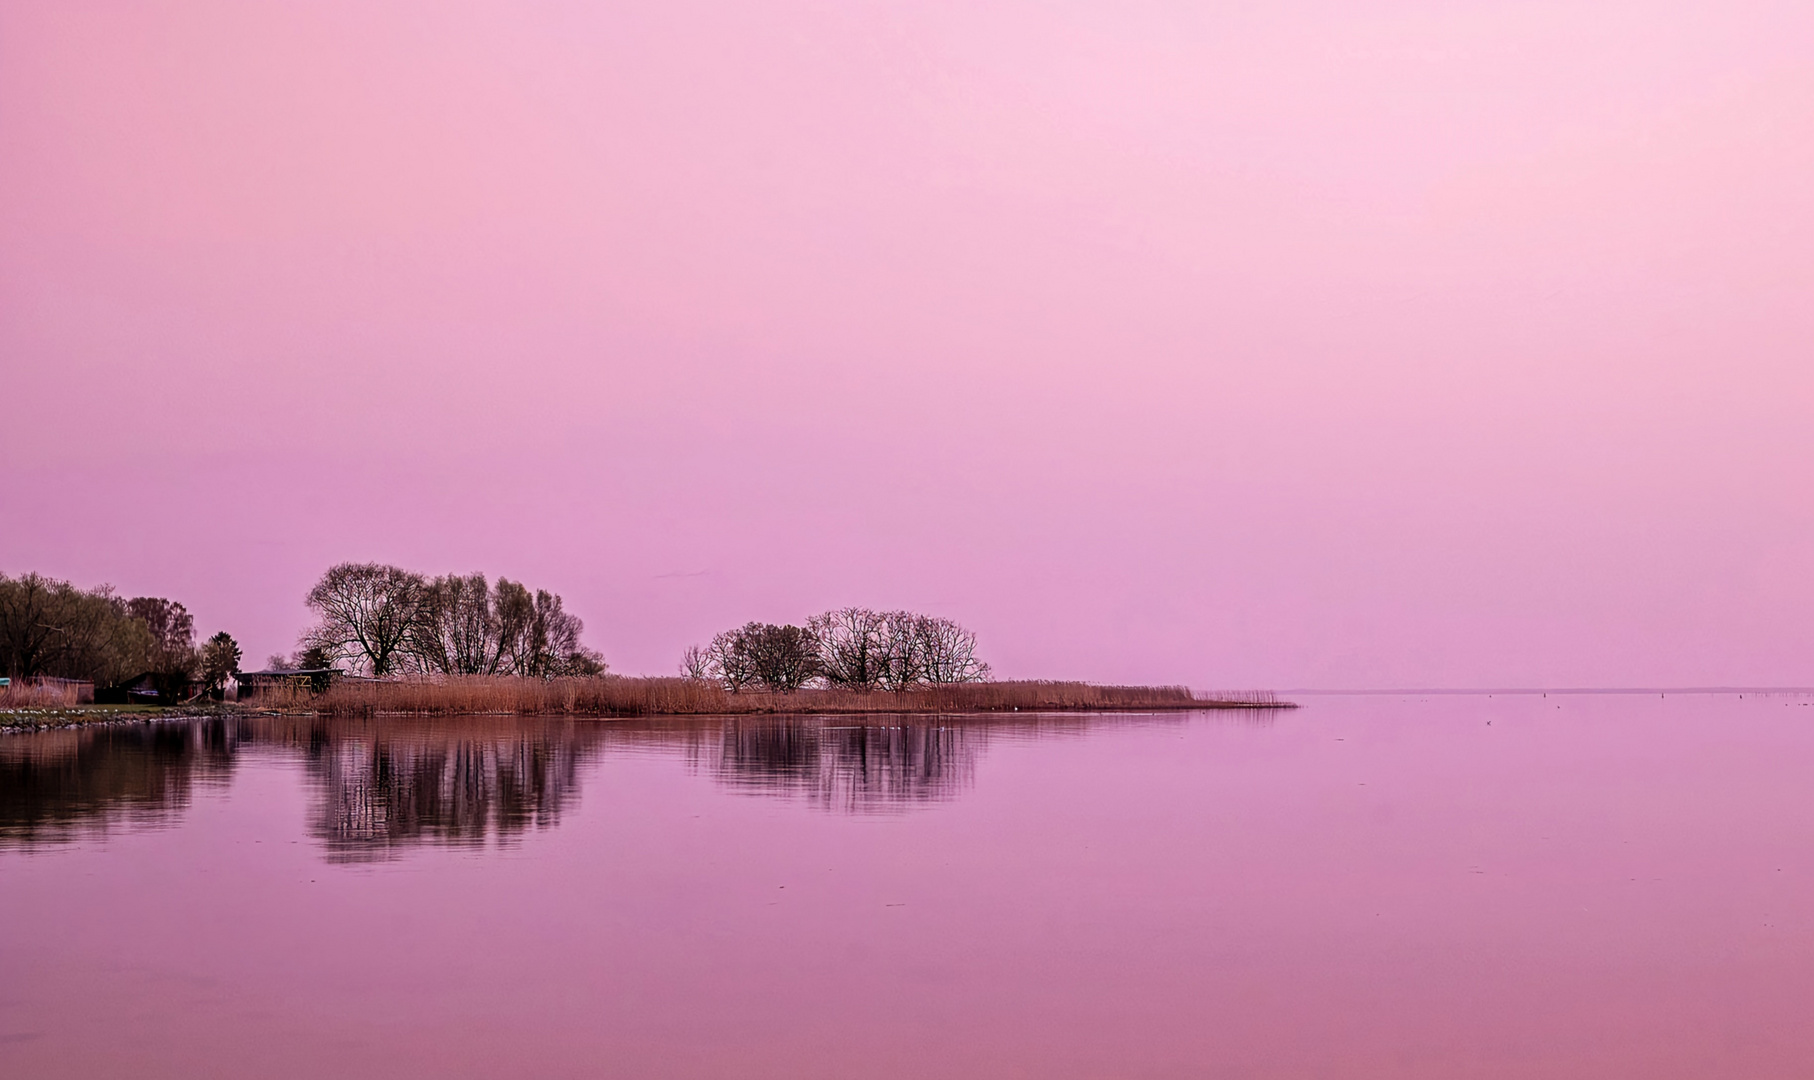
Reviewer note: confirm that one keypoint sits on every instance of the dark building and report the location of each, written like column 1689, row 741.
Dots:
column 257, row 684
column 147, row 688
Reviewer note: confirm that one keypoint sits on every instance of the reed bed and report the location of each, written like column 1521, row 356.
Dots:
column 613, row 695
column 289, row 695
column 43, row 694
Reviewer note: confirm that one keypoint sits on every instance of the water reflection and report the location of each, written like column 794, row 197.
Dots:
column 845, row 766
column 57, row 785
column 383, row 785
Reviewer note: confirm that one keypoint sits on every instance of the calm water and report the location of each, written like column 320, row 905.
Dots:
column 1367, row 887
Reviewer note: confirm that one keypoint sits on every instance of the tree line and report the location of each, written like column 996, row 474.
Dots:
column 850, row 648
column 383, row 620
column 51, row 628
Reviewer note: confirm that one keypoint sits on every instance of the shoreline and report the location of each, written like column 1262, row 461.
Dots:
column 62, row 718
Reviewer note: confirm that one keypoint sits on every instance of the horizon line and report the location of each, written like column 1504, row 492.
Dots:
column 1566, row 690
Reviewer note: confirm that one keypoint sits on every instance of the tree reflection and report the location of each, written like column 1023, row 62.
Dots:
column 56, row 785
column 381, row 785
column 841, row 764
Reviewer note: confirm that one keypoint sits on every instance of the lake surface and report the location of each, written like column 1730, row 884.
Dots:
column 1563, row 886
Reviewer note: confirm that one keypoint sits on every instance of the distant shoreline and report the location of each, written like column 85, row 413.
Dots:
column 1559, row 690
column 617, row 697
column 669, row 696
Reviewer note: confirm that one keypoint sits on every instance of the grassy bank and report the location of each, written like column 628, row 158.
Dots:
column 621, row 696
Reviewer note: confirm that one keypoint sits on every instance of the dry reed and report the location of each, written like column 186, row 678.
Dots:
column 43, row 694
column 285, row 695
column 613, row 695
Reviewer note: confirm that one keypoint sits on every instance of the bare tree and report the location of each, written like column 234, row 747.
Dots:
column 513, row 606
column 383, row 620
column 555, row 635
column 778, row 658
column 900, row 666
column 786, row 657
column 456, row 629
column 852, row 646
column 368, row 613
column 894, row 650
column 696, row 663
column 730, row 660
column 947, row 652
column 537, row 636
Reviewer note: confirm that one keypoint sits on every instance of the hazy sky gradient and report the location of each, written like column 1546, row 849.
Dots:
column 1247, row 345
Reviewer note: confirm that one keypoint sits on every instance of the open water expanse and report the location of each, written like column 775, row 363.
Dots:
column 1524, row 886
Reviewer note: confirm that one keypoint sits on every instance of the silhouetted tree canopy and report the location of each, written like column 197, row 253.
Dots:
column 173, row 654
column 457, row 628
column 219, row 660
column 50, row 627
column 384, row 620
column 366, row 614
column 730, row 660
column 785, row 658
column 850, row 648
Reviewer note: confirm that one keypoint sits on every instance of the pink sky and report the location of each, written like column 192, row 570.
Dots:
column 1293, row 344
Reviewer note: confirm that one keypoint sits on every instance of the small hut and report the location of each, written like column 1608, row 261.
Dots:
column 147, row 688
column 256, row 684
